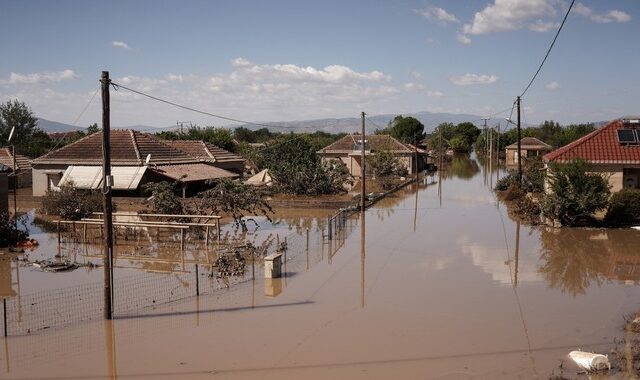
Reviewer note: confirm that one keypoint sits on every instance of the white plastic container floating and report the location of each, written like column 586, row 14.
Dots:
column 589, row 361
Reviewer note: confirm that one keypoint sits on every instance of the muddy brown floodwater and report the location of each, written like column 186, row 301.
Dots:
column 446, row 286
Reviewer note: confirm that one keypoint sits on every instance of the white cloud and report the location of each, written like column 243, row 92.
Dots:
column 413, row 86
column 241, row 62
column 553, row 85
column 175, row 77
column 603, row 18
column 463, row 39
column 471, row 79
column 416, row 75
column 437, row 14
column 542, row 26
column 120, row 45
column 43, row 77
column 434, row 94
column 504, row 15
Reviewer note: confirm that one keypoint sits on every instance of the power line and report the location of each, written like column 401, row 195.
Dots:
column 550, row 47
column 118, row 86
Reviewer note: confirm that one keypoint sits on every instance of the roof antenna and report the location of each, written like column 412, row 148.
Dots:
column 146, row 162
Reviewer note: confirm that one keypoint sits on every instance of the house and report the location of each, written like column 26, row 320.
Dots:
column 211, row 154
column 612, row 150
column 529, row 147
column 23, row 167
column 349, row 150
column 136, row 158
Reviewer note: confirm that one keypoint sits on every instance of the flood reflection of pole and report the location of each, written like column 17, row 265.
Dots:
column 415, row 209
column 515, row 282
column 362, row 257
column 6, row 354
column 110, row 347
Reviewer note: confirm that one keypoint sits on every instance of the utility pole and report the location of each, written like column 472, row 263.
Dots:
column 519, row 138
column 362, row 167
column 15, row 187
column 107, row 182
column 416, row 153
column 486, row 141
column 498, row 154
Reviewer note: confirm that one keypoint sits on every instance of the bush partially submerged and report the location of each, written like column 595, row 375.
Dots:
column 10, row 235
column 71, row 203
column 624, row 208
column 533, row 175
column 575, row 194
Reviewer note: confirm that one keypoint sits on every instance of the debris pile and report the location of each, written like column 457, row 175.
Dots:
column 230, row 264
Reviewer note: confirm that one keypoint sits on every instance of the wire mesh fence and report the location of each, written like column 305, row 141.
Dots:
column 302, row 249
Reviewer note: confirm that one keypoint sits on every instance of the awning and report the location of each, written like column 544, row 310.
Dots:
column 82, row 177
column 192, row 172
column 90, row 177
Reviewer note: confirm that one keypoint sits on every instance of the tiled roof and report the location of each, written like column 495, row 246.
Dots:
column 530, row 143
column 376, row 142
column 128, row 147
column 204, row 151
column 6, row 158
column 599, row 146
column 193, row 172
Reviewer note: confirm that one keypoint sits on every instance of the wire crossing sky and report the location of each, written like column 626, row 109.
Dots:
column 290, row 60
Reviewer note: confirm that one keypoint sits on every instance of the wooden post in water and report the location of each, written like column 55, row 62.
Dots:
column 107, row 182
column 4, row 314
column 197, row 282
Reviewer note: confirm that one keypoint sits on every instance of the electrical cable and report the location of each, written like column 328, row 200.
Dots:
column 549, row 50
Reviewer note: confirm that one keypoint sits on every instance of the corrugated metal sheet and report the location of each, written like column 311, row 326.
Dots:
column 193, row 172
column 82, row 177
column 90, row 177
column 127, row 177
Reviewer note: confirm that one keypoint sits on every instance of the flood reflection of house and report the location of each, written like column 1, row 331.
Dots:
column 612, row 150
column 80, row 163
column 529, row 147
column 623, row 267
column 349, row 150
column 23, row 167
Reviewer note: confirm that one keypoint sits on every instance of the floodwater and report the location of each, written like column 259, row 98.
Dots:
column 445, row 286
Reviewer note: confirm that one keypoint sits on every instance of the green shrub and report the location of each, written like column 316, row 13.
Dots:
column 71, row 203
column 505, row 182
column 527, row 209
column 575, row 194
column 9, row 234
column 624, row 208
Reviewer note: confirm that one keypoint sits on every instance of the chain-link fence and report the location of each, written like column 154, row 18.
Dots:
column 302, row 249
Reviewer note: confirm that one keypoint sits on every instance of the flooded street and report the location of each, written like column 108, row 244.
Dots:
column 446, row 286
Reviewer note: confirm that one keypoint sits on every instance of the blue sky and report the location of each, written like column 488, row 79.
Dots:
column 294, row 60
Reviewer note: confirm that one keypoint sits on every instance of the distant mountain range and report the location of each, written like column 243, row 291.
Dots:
column 331, row 125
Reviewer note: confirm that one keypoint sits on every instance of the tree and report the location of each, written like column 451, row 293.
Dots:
column 27, row 137
column 384, row 165
column 163, row 199
column 407, row 129
column 575, row 194
column 468, row 131
column 296, row 169
column 71, row 203
column 459, row 144
column 93, row 128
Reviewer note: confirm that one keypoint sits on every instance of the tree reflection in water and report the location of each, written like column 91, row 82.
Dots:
column 461, row 166
column 573, row 258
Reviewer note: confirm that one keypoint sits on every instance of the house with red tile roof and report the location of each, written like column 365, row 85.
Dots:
column 211, row 154
column 136, row 158
column 22, row 167
column 349, row 150
column 529, row 147
column 613, row 150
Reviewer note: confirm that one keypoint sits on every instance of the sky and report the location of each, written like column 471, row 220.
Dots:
column 298, row 60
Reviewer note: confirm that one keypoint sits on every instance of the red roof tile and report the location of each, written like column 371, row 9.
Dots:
column 6, row 159
column 204, row 151
column 377, row 142
column 600, row 146
column 128, row 147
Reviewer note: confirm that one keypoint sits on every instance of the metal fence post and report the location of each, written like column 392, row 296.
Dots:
column 4, row 313
column 197, row 282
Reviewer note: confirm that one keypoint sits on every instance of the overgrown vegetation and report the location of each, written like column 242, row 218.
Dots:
column 624, row 208
column 220, row 137
column 533, row 175
column 409, row 130
column 10, row 235
column 71, row 203
column 384, row 166
column 297, row 169
column 225, row 197
column 575, row 194
column 460, row 138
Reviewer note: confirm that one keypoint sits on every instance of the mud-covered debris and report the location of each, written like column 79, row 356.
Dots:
column 589, row 361
column 230, row 264
column 53, row 266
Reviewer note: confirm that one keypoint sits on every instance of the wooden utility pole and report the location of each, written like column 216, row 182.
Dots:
column 107, row 182
column 416, row 153
column 15, row 187
column 519, row 138
column 363, row 196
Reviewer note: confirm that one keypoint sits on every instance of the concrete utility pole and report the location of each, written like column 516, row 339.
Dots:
column 519, row 138
column 363, row 196
column 107, row 182
column 486, row 141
